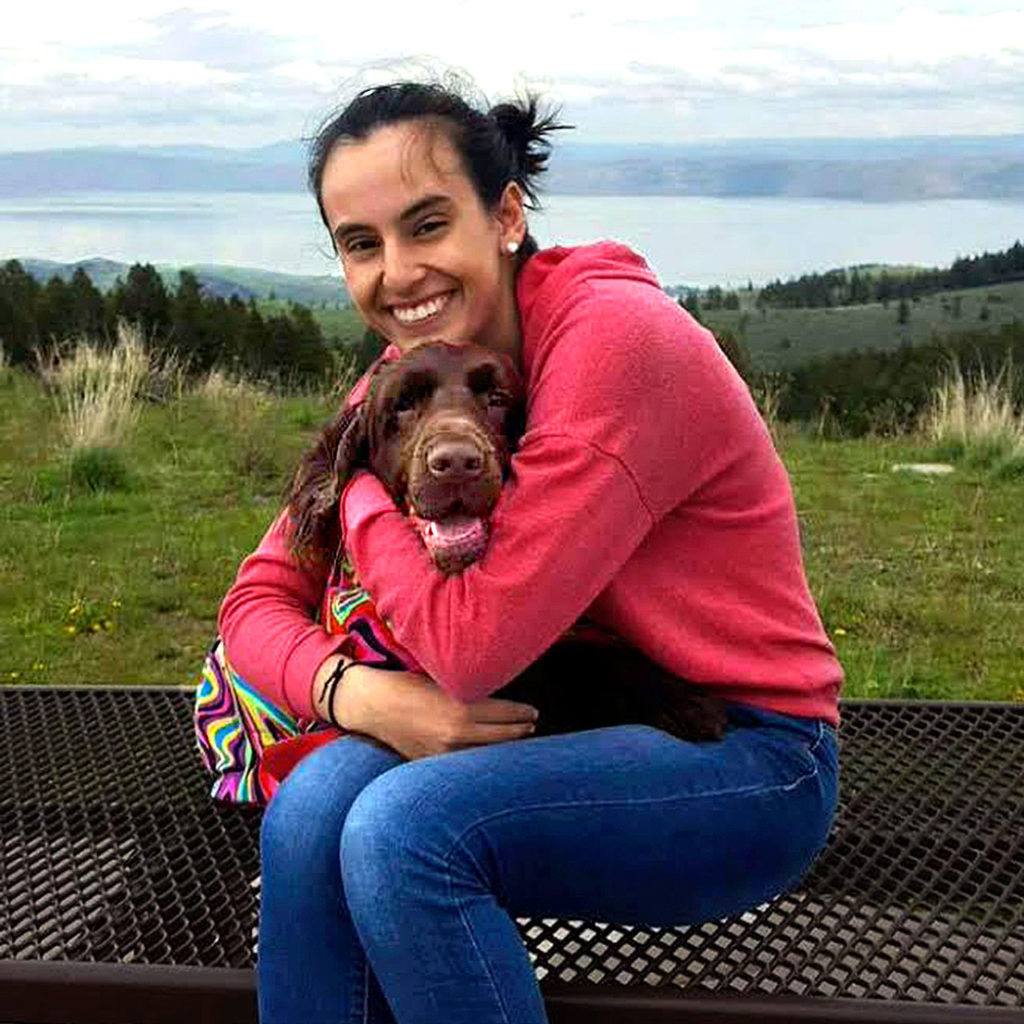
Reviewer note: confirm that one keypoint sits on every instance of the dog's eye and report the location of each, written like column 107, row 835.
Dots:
column 498, row 398
column 414, row 390
column 481, row 380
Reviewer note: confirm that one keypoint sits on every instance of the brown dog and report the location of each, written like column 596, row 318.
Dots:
column 438, row 428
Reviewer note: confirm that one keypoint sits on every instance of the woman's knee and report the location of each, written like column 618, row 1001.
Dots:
column 387, row 827
column 303, row 822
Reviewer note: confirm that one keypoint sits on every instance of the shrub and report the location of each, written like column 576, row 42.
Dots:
column 98, row 469
column 889, row 390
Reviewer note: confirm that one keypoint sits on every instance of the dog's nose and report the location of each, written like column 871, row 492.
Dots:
column 454, row 461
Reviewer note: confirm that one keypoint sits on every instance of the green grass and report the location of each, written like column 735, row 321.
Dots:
column 920, row 580
column 783, row 338
column 154, row 559
column 342, row 326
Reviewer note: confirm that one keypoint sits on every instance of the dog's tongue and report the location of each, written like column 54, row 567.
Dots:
column 458, row 531
column 457, row 538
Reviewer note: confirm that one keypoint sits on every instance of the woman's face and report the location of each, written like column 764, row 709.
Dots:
column 422, row 258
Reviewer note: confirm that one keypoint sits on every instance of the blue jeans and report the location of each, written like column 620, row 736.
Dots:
column 390, row 887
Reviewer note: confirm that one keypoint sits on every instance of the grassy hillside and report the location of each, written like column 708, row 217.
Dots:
column 782, row 338
column 919, row 579
column 340, row 325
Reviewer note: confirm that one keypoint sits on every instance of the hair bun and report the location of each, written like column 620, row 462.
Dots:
column 526, row 131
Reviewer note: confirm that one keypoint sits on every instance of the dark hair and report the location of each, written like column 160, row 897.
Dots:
column 507, row 143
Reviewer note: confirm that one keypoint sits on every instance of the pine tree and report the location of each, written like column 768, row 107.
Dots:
column 55, row 312
column 19, row 297
column 187, row 322
column 142, row 299
column 87, row 305
column 691, row 303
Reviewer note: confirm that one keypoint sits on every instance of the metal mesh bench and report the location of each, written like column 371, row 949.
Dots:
column 127, row 895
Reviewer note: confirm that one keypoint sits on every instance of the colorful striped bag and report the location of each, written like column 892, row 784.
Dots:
column 249, row 744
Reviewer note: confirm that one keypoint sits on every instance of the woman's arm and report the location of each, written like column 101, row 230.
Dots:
column 267, row 619
column 562, row 530
column 620, row 415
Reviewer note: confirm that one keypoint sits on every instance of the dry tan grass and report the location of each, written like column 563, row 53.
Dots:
column 97, row 391
column 242, row 411
column 220, row 388
column 240, row 406
column 976, row 416
column 168, row 377
column 767, row 394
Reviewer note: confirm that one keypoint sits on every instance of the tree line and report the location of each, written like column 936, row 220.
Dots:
column 207, row 331
column 863, row 391
column 856, row 391
column 854, row 287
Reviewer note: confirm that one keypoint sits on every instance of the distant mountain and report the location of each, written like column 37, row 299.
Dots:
column 101, row 272
column 882, row 170
column 852, row 149
column 311, row 290
column 873, row 178
column 221, row 281
column 113, row 170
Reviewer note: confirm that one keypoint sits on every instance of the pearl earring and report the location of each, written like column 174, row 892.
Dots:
column 513, row 248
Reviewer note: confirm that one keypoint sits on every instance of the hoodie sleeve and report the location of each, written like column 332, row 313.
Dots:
column 267, row 619
column 544, row 565
column 607, row 406
column 268, row 623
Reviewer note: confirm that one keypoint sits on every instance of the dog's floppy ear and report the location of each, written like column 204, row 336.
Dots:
column 515, row 424
column 351, row 450
column 515, row 418
column 342, row 448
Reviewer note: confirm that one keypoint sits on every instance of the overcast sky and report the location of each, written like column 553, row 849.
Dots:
column 226, row 73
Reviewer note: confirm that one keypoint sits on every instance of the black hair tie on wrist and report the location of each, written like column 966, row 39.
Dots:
column 331, row 684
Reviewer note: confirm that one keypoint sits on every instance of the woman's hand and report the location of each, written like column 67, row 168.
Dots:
column 411, row 714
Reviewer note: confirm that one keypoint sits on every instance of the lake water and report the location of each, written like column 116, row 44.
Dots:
column 692, row 240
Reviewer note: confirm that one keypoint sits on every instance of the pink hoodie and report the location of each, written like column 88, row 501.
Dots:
column 646, row 493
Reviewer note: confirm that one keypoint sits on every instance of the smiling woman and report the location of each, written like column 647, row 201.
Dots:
column 416, row 234
column 420, row 262
column 645, row 496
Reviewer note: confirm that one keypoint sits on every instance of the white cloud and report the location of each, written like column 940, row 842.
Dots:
column 670, row 68
column 913, row 37
column 74, row 25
